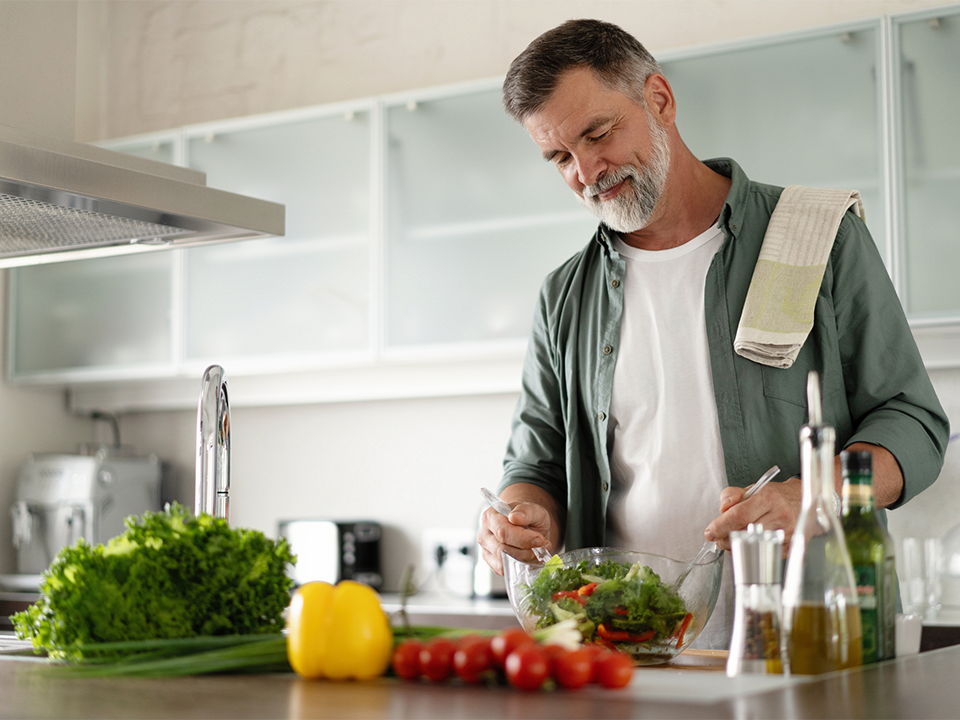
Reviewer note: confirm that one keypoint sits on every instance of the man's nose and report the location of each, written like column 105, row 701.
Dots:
column 589, row 169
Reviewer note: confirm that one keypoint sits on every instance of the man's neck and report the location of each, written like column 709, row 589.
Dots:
column 691, row 203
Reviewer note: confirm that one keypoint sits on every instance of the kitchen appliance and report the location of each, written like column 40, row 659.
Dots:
column 61, row 199
column 61, row 498
column 332, row 550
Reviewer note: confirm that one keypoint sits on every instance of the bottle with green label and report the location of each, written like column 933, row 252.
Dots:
column 872, row 553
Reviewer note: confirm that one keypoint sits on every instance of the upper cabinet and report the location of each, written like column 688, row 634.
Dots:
column 927, row 75
column 795, row 110
column 474, row 220
column 420, row 225
column 308, row 293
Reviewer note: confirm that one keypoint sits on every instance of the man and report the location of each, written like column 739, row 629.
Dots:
column 636, row 415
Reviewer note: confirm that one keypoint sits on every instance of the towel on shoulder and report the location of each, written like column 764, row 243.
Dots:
column 778, row 312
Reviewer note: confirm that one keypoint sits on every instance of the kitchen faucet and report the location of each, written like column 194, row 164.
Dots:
column 213, row 445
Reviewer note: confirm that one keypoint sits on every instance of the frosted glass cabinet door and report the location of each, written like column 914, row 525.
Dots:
column 109, row 312
column 798, row 112
column 929, row 75
column 475, row 220
column 307, row 292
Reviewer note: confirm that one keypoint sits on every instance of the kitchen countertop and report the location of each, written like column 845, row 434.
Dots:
column 920, row 686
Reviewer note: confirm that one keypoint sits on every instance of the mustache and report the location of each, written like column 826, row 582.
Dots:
column 608, row 181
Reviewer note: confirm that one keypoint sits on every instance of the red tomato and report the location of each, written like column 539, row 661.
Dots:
column 436, row 659
column 573, row 669
column 506, row 642
column 472, row 659
column 527, row 667
column 406, row 659
column 553, row 653
column 612, row 670
column 593, row 652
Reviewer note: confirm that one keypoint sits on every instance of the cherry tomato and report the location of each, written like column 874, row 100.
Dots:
column 573, row 669
column 436, row 659
column 506, row 642
column 553, row 653
column 612, row 669
column 473, row 657
column 593, row 652
column 406, row 659
column 527, row 667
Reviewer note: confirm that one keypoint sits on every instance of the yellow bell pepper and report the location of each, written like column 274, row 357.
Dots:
column 338, row 632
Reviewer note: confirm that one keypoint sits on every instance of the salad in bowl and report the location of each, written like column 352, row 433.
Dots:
column 618, row 598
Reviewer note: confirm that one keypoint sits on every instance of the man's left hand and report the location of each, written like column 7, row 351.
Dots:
column 776, row 506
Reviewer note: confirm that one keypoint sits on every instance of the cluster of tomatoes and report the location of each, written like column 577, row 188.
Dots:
column 514, row 656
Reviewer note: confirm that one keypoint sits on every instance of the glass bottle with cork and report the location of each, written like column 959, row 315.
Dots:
column 872, row 554
column 821, row 614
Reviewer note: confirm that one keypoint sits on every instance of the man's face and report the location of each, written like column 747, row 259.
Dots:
column 613, row 153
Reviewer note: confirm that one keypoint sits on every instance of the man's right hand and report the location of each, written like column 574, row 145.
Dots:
column 533, row 523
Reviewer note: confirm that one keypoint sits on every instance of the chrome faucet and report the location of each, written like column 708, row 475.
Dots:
column 213, row 445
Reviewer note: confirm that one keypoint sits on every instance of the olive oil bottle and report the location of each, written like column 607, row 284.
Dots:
column 872, row 554
column 821, row 615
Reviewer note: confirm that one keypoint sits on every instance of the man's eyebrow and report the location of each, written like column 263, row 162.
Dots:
column 594, row 125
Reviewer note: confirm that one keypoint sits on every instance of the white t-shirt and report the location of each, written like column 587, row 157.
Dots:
column 666, row 458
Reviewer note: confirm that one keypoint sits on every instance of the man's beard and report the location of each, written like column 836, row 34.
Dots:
column 631, row 209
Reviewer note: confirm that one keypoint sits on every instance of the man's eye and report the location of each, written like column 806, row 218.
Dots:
column 561, row 160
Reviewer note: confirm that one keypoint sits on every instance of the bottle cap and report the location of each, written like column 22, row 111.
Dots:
column 856, row 462
column 756, row 555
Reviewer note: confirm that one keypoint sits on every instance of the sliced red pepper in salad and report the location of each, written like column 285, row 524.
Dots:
column 623, row 636
column 587, row 590
column 570, row 594
column 684, row 624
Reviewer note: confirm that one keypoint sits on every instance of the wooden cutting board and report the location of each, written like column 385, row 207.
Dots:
column 709, row 660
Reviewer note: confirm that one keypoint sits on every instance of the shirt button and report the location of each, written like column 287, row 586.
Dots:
column 607, row 349
column 615, row 284
column 606, row 486
column 733, row 227
column 602, row 415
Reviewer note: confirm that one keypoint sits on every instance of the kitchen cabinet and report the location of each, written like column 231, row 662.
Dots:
column 309, row 292
column 474, row 220
column 421, row 224
column 791, row 110
column 926, row 57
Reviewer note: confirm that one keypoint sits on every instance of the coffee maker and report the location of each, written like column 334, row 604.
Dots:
column 62, row 498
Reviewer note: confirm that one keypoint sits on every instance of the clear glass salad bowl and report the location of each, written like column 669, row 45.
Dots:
column 618, row 598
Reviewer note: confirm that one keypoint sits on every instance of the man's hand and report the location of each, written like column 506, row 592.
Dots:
column 776, row 506
column 533, row 523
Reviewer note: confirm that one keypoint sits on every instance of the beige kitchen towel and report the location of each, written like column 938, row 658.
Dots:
column 778, row 312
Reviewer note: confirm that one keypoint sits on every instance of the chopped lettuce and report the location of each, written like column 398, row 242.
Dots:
column 169, row 575
column 615, row 600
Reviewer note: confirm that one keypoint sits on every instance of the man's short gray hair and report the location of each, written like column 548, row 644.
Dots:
column 619, row 60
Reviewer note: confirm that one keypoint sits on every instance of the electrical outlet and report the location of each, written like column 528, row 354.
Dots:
column 448, row 556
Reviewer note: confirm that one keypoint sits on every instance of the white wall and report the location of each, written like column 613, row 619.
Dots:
column 165, row 64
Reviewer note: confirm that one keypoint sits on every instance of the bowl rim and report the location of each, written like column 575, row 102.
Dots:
column 604, row 550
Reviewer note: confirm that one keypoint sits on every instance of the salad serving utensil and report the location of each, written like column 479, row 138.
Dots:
column 710, row 546
column 501, row 507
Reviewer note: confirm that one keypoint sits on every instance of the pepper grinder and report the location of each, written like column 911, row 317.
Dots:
column 757, row 574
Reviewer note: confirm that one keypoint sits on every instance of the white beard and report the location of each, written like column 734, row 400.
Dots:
column 631, row 209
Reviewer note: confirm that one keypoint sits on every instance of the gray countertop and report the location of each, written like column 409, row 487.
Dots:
column 920, row 686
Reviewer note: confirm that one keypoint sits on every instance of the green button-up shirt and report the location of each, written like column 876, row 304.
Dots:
column 874, row 386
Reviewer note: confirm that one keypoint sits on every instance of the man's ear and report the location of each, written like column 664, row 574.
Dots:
column 660, row 100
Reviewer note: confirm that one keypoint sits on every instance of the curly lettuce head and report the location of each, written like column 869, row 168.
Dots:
column 169, row 575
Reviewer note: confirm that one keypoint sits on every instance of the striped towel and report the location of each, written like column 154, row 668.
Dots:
column 778, row 312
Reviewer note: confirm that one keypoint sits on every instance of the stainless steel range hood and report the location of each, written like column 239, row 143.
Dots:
column 62, row 200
